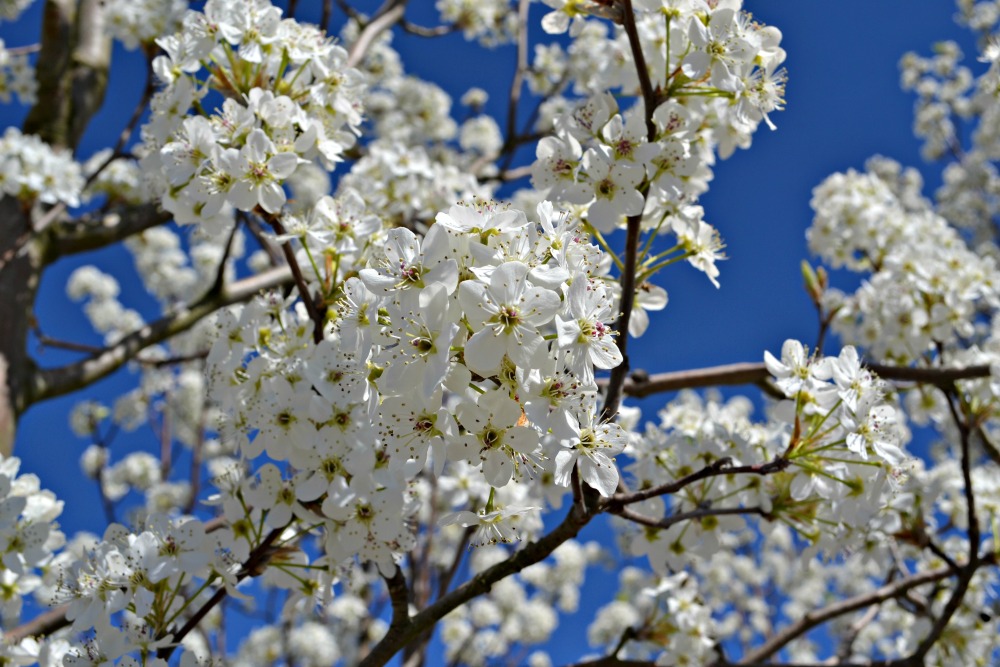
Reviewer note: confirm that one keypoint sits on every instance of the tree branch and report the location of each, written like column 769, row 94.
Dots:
column 633, row 229
column 72, row 71
column 517, row 82
column 723, row 466
column 51, row 382
column 254, row 566
column 751, row 373
column 399, row 595
column 40, row 626
column 397, row 637
column 966, row 573
column 387, row 15
column 95, row 231
column 819, row 616
column 423, row 31
column 308, row 300
column 668, row 521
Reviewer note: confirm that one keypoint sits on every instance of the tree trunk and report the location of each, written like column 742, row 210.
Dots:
column 20, row 271
column 72, row 72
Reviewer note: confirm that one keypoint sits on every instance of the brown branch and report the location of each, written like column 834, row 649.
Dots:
column 95, row 231
column 966, row 573
column 645, row 84
column 517, row 82
column 40, row 626
column 396, row 638
column 300, row 282
column 351, row 12
column 446, row 578
column 47, row 341
column 172, row 361
column 612, row 661
column 253, row 566
column 423, row 31
column 72, row 71
column 387, row 16
column 399, row 596
column 25, row 50
column 126, row 133
column 613, row 398
column 51, row 382
column 723, row 466
column 668, row 521
column 751, row 373
column 819, row 616
column 514, row 174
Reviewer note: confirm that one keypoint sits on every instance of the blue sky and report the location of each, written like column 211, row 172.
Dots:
column 844, row 104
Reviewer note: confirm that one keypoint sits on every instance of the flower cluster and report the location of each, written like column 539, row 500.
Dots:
column 31, row 170
column 29, row 535
column 496, row 321
column 926, row 286
column 288, row 98
column 11, row 9
column 724, row 80
column 663, row 613
column 106, row 313
column 135, row 22
column 430, row 382
column 16, row 76
column 835, row 434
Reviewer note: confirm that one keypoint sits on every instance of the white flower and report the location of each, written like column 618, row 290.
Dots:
column 506, row 314
column 496, row 525
column 584, row 334
column 258, row 171
column 496, row 434
column 593, row 447
column 614, row 184
column 876, row 428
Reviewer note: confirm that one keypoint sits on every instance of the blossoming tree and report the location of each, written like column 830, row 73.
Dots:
column 374, row 366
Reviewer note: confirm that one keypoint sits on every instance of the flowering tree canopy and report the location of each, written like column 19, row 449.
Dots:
column 388, row 364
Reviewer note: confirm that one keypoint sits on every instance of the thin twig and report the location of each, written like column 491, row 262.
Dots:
column 751, row 373
column 818, row 616
column 387, row 16
column 197, row 451
column 667, row 522
column 612, row 399
column 445, row 581
column 48, row 341
column 307, row 298
column 645, row 84
column 521, row 66
column 253, row 566
column 51, row 382
column 723, row 466
column 126, row 133
column 965, row 573
column 533, row 552
column 423, row 31
column 25, row 50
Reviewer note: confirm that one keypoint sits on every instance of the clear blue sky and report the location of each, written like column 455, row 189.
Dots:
column 844, row 104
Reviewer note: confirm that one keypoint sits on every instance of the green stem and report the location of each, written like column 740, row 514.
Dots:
column 649, row 239
column 604, row 245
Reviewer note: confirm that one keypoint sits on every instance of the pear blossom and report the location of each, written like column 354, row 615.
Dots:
column 506, row 313
column 587, row 338
column 592, row 447
column 492, row 526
